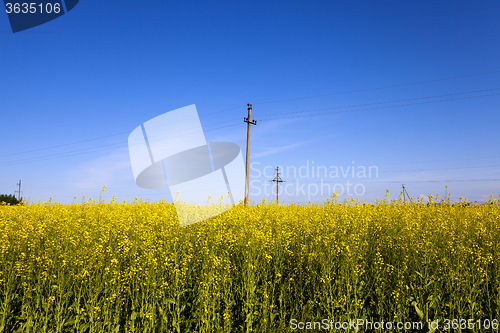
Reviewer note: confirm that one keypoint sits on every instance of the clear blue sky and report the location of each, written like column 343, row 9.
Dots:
column 96, row 73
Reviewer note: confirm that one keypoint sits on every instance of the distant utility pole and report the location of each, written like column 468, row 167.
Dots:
column 247, row 173
column 278, row 180
column 404, row 191
column 19, row 192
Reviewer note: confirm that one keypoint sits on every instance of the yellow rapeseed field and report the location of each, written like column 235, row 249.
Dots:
column 130, row 267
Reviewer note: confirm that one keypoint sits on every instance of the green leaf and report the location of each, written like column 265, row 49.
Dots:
column 419, row 312
column 428, row 284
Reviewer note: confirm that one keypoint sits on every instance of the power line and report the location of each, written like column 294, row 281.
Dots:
column 476, row 167
column 378, row 88
column 377, row 108
column 377, row 103
column 208, row 114
column 366, row 181
column 292, row 199
column 377, row 164
column 118, row 144
column 275, row 101
column 441, row 181
column 121, row 145
column 69, row 144
column 73, row 153
column 382, row 182
column 452, row 160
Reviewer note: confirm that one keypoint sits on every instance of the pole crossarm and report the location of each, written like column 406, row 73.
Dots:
column 278, row 180
column 253, row 122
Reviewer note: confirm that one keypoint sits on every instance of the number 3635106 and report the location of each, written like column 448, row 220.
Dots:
column 32, row 8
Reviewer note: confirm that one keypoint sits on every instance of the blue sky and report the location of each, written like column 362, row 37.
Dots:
column 74, row 88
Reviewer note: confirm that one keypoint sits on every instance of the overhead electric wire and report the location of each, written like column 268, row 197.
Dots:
column 292, row 199
column 128, row 132
column 377, row 108
column 275, row 101
column 73, row 153
column 211, row 113
column 452, row 160
column 121, row 145
column 366, row 181
column 395, row 101
column 378, row 88
column 416, row 170
column 268, row 196
column 477, row 167
column 440, row 181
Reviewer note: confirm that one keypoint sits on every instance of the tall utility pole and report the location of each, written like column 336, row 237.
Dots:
column 278, row 180
column 247, row 171
column 19, row 192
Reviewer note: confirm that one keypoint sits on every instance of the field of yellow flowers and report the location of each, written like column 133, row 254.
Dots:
column 130, row 267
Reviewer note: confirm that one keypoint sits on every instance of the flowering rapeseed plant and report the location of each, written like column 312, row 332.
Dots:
column 130, row 267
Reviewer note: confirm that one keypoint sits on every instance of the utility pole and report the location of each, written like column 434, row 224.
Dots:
column 404, row 191
column 19, row 192
column 247, row 171
column 278, row 180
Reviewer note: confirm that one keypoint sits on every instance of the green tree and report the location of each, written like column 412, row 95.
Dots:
column 9, row 199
